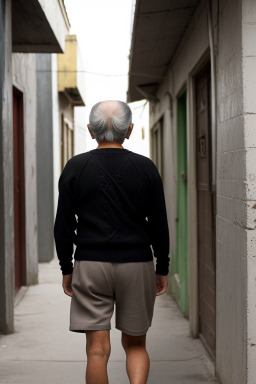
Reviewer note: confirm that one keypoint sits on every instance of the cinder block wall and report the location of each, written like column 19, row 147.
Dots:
column 231, row 200
column 249, row 118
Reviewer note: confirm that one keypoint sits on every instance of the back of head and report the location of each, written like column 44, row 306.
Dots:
column 110, row 120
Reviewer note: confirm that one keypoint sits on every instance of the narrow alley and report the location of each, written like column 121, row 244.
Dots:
column 186, row 70
column 43, row 350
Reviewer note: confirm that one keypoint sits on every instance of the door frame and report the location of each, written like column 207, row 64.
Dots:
column 181, row 290
column 192, row 197
column 20, row 159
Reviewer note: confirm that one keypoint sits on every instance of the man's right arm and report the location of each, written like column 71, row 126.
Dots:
column 158, row 223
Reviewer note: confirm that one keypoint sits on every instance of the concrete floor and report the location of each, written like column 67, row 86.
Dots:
column 43, row 350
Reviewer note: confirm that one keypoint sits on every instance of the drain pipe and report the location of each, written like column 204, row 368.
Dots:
column 213, row 95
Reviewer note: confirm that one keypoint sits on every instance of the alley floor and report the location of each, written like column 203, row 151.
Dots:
column 43, row 350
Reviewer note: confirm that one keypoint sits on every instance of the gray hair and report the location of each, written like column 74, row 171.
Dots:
column 110, row 129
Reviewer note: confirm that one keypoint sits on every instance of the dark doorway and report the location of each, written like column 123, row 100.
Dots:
column 19, row 190
column 206, row 213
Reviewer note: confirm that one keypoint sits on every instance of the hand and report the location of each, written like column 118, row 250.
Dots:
column 161, row 284
column 66, row 284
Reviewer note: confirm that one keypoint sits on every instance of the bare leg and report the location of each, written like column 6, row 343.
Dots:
column 137, row 359
column 98, row 352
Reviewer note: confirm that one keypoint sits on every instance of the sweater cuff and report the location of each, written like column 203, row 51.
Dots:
column 162, row 271
column 162, row 268
column 67, row 269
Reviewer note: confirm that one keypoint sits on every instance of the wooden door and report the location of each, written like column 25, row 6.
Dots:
column 205, row 213
column 181, row 254
column 19, row 190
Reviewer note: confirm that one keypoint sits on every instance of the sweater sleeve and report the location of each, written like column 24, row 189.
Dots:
column 65, row 220
column 158, row 224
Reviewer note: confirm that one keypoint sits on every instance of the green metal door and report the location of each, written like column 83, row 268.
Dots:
column 181, row 256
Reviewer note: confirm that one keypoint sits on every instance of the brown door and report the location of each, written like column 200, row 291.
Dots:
column 19, row 189
column 205, row 213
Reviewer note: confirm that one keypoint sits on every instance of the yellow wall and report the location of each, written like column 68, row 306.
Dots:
column 67, row 65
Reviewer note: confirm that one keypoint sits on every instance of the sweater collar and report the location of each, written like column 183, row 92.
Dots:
column 101, row 150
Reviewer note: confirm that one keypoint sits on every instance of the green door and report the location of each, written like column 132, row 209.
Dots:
column 181, row 256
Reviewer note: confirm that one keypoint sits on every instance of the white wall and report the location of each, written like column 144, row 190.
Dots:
column 80, row 127
column 57, row 19
column 24, row 78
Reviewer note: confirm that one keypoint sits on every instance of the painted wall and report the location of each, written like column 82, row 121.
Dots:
column 56, row 133
column 44, row 143
column 24, row 78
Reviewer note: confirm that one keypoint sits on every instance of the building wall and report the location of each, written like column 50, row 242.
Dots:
column 249, row 116
column 6, row 173
column 56, row 134
column 24, row 78
column 44, row 140
column 231, row 200
column 80, row 126
column 234, row 31
column 191, row 51
column 19, row 70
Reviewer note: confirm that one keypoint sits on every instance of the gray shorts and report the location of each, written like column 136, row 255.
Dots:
column 97, row 285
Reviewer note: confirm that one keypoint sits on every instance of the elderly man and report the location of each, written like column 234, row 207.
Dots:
column 113, row 198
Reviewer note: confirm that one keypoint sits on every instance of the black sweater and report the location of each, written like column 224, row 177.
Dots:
column 111, row 206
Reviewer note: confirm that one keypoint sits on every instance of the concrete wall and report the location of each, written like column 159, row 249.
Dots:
column 24, row 78
column 44, row 157
column 57, row 18
column 231, row 201
column 234, row 37
column 249, row 116
column 56, row 134
column 6, row 173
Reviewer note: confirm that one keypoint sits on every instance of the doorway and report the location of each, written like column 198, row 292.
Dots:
column 181, row 255
column 19, row 190
column 206, row 212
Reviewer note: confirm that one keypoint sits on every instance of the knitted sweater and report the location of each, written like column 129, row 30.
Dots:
column 111, row 205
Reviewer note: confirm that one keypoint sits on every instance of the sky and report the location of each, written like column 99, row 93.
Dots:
column 104, row 30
